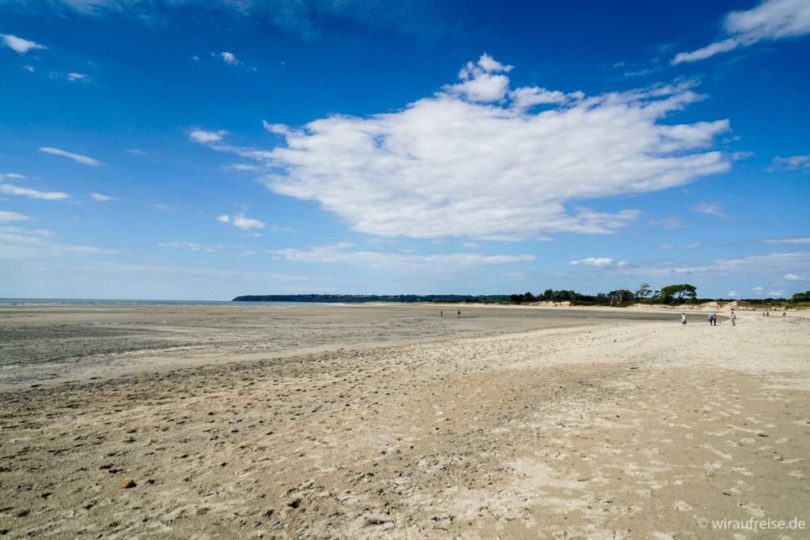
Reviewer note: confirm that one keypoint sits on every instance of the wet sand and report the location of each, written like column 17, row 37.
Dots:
column 386, row 421
column 41, row 345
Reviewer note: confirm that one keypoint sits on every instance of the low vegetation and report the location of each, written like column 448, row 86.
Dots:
column 677, row 294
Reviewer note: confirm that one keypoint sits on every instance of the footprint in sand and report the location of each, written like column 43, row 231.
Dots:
column 682, row 506
column 754, row 510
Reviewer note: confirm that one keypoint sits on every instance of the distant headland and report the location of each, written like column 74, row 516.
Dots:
column 363, row 298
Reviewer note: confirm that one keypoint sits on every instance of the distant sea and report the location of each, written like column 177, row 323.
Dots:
column 95, row 302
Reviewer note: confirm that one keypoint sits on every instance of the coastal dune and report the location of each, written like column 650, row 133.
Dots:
column 500, row 425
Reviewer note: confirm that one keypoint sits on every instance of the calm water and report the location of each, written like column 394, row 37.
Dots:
column 102, row 302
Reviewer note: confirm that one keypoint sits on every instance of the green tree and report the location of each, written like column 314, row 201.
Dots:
column 677, row 294
column 620, row 296
column 643, row 291
column 801, row 297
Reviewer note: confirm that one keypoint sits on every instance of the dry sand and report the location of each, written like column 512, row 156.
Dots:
column 388, row 422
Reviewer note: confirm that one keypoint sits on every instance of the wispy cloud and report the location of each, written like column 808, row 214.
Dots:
column 308, row 19
column 206, row 248
column 345, row 253
column 206, row 137
column 24, row 243
column 78, row 158
column 192, row 246
column 242, row 167
column 241, row 221
column 9, row 189
column 472, row 161
column 765, row 264
column 100, row 197
column 6, row 216
column 20, row 45
column 710, row 210
column 791, row 163
column 769, row 21
column 795, row 277
column 77, row 77
column 600, row 262
column 798, row 240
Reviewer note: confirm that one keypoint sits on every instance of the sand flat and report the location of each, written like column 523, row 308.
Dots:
column 506, row 424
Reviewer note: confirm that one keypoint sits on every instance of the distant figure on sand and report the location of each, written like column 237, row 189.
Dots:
column 441, row 314
column 733, row 318
column 459, row 314
column 683, row 319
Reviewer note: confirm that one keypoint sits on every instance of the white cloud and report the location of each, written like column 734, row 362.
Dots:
column 228, row 58
column 78, row 158
column 795, row 277
column 758, row 290
column 77, row 77
column 6, row 216
column 206, row 137
column 766, row 264
column 792, row 163
column 482, row 81
column 710, row 210
column 20, row 45
column 345, row 254
column 789, row 241
column 771, row 20
column 600, row 262
column 22, row 243
column 191, row 246
column 100, row 197
column 242, row 167
column 776, row 294
column 240, row 221
column 450, row 165
column 733, row 294
column 523, row 98
column 9, row 189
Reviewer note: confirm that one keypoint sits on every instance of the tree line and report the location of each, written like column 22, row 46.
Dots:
column 680, row 293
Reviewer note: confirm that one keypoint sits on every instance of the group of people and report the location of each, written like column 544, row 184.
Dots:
column 712, row 318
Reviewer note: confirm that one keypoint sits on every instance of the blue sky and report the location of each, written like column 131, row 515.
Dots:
column 202, row 150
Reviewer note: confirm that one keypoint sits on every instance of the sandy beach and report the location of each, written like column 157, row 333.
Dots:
column 389, row 421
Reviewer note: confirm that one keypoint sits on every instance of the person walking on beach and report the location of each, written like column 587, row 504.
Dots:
column 709, row 318
column 441, row 314
column 733, row 318
column 459, row 314
column 683, row 319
